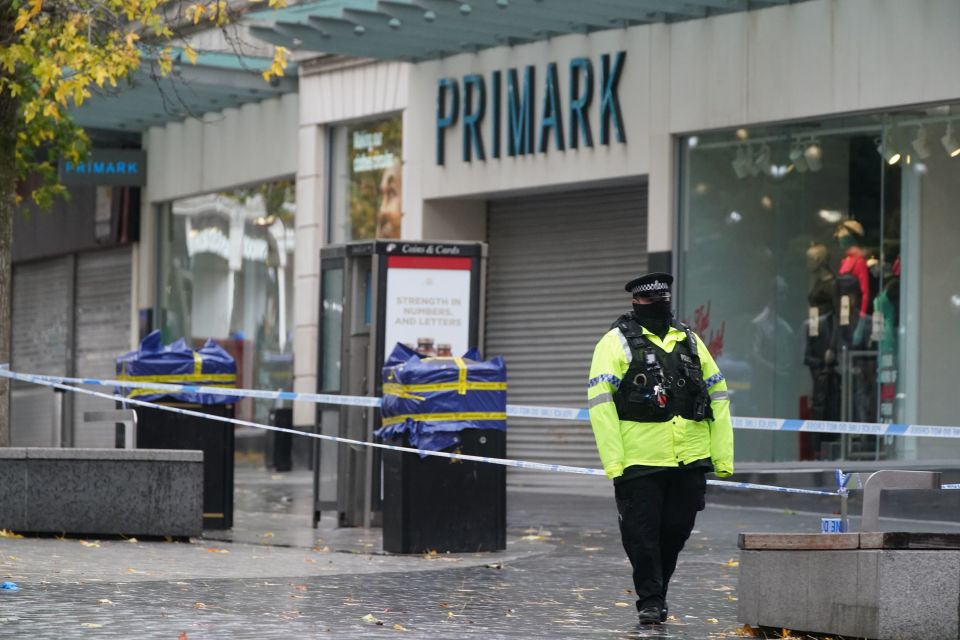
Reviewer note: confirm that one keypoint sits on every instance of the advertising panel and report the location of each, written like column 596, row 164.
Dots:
column 428, row 304
column 372, row 175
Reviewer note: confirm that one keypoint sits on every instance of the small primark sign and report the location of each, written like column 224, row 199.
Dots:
column 106, row 167
column 512, row 113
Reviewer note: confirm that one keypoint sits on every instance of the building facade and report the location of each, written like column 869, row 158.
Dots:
column 769, row 158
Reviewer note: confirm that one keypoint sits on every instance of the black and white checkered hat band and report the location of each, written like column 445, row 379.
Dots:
column 651, row 287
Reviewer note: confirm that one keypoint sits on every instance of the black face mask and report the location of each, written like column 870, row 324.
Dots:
column 655, row 317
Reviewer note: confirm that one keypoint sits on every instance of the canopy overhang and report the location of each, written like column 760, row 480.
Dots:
column 417, row 30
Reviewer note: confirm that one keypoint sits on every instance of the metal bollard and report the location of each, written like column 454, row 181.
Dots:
column 891, row 479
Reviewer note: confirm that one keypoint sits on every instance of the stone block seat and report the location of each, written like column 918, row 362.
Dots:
column 883, row 586
column 136, row 492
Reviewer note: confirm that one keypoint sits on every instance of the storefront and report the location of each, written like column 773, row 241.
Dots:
column 221, row 242
column 73, row 293
column 832, row 223
column 750, row 153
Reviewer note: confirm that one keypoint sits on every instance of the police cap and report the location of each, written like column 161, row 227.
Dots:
column 652, row 285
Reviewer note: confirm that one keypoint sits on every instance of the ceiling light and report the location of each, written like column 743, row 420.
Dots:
column 830, row 215
column 813, row 154
column 734, row 217
column 742, row 134
column 796, row 157
column 741, row 163
column 890, row 155
column 920, row 144
column 950, row 143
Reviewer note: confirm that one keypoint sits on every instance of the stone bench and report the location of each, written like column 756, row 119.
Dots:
column 865, row 585
column 144, row 492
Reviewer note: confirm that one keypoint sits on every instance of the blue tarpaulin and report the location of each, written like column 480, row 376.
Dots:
column 430, row 400
column 177, row 363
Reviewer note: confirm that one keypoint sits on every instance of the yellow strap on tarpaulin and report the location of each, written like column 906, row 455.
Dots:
column 461, row 376
column 405, row 390
column 198, row 378
column 445, row 417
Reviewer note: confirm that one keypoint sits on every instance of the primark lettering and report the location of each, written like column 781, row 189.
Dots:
column 502, row 113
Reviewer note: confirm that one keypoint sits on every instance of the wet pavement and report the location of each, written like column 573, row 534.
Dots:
column 564, row 575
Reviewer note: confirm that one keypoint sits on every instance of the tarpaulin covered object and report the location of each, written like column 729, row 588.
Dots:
column 430, row 400
column 177, row 363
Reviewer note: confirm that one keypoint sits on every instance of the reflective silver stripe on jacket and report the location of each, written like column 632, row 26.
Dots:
column 627, row 353
column 600, row 399
column 719, row 395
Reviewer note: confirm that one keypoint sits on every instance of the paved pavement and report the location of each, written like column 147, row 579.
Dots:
column 564, row 575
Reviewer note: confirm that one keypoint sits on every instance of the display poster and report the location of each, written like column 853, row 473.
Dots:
column 375, row 178
column 428, row 304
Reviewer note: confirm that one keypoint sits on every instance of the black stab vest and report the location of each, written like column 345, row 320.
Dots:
column 678, row 373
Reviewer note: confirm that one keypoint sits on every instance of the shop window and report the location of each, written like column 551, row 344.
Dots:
column 226, row 272
column 790, row 254
column 366, row 180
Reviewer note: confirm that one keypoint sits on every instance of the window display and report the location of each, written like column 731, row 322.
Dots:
column 367, row 180
column 226, row 272
column 804, row 220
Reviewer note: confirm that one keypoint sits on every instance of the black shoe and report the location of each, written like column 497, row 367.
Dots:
column 650, row 615
column 664, row 613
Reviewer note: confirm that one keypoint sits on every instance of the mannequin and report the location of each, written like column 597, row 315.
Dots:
column 819, row 353
column 852, row 289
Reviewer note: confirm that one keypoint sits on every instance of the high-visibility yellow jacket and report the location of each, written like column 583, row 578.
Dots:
column 623, row 443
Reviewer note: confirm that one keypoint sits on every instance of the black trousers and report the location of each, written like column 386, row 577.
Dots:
column 657, row 513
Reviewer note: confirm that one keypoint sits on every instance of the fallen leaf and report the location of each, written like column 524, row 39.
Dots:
column 733, row 563
column 712, row 621
column 215, row 550
column 268, row 534
column 372, row 619
column 323, row 549
column 199, row 605
column 91, row 625
column 300, row 587
column 399, row 627
column 182, row 636
column 747, row 631
column 5, row 533
column 533, row 537
column 430, row 555
column 494, row 565
column 132, row 540
column 731, row 598
column 89, row 544
column 104, row 601
column 621, row 604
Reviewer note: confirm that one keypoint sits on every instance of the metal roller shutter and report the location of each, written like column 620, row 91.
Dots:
column 42, row 300
column 556, row 269
column 102, row 333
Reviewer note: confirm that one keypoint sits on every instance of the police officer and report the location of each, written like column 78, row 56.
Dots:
column 661, row 418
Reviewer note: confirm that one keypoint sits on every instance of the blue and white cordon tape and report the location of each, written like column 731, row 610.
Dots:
column 518, row 411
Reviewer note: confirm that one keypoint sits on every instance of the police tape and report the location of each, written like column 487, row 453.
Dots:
column 50, row 381
column 513, row 410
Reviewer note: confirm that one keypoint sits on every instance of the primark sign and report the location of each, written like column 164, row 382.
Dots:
column 512, row 112
column 106, row 167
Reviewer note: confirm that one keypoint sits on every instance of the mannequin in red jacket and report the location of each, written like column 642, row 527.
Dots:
column 852, row 286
